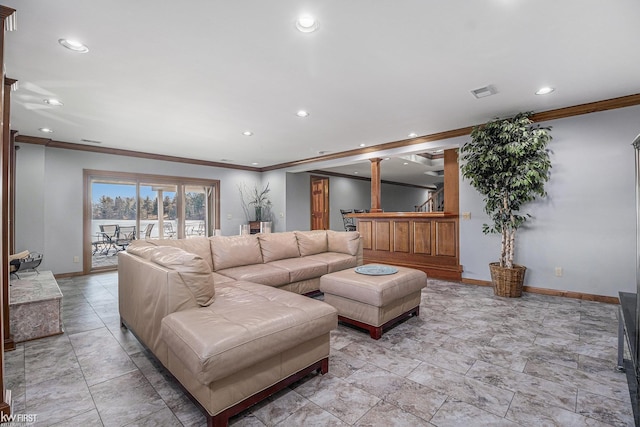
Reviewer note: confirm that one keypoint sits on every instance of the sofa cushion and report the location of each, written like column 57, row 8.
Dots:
column 312, row 242
column 264, row 274
column 335, row 261
column 346, row 242
column 197, row 245
column 141, row 248
column 191, row 270
column 277, row 246
column 246, row 324
column 234, row 251
column 301, row 268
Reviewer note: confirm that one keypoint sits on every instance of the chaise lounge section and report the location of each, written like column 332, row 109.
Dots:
column 224, row 314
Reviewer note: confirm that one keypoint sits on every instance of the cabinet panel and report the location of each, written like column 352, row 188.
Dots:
column 446, row 238
column 364, row 227
column 383, row 235
column 401, row 236
column 422, row 237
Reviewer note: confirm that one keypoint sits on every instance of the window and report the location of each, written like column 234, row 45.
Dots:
column 121, row 207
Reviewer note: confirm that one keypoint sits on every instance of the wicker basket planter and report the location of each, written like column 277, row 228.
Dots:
column 507, row 282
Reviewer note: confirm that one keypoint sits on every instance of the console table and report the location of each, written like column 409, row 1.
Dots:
column 35, row 306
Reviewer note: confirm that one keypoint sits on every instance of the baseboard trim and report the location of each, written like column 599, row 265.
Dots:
column 68, row 275
column 552, row 292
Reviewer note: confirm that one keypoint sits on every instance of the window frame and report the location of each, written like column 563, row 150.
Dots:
column 89, row 175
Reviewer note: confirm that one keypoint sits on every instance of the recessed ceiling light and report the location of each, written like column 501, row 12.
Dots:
column 53, row 101
column 255, row 164
column 413, row 135
column 355, row 173
column 363, row 145
column 386, row 158
column 74, row 45
column 46, row 130
column 307, row 24
column 544, row 90
column 247, row 133
column 405, row 163
column 302, row 113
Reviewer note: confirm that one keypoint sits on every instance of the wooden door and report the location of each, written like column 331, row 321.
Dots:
column 319, row 203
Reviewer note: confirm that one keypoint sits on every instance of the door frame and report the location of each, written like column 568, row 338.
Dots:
column 325, row 190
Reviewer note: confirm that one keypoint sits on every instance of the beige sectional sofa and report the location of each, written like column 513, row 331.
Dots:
column 216, row 313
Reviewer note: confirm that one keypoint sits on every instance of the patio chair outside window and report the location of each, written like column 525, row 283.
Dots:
column 107, row 239
column 169, row 232
column 147, row 230
column 126, row 234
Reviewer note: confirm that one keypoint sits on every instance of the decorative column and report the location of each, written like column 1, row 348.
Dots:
column 7, row 23
column 375, row 185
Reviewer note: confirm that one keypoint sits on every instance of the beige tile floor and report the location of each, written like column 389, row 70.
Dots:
column 470, row 359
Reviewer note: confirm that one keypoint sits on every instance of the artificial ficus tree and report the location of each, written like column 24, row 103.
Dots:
column 507, row 161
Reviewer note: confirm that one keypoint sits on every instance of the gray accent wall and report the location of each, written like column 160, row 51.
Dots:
column 49, row 197
column 344, row 193
column 586, row 225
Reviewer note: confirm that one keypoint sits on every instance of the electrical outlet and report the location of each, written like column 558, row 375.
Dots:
column 76, row 259
column 466, row 215
column 558, row 271
column 281, row 214
column 229, row 216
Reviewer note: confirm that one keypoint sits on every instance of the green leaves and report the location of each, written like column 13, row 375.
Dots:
column 508, row 163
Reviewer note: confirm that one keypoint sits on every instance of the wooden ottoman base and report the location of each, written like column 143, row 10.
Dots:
column 376, row 331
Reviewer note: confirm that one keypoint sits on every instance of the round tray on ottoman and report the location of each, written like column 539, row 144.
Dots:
column 374, row 301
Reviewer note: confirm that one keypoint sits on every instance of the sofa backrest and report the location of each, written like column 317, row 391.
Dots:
column 235, row 251
column 197, row 245
column 346, row 242
column 312, row 242
column 188, row 270
column 275, row 246
column 222, row 252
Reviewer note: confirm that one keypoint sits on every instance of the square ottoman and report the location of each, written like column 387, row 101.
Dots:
column 374, row 302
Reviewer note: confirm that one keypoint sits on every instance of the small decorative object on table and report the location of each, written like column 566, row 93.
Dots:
column 376, row 270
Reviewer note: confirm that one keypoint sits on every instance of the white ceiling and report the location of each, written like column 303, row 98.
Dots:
column 187, row 78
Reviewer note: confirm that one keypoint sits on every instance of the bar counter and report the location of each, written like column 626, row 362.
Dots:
column 427, row 241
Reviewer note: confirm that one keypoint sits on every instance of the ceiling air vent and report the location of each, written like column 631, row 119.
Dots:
column 483, row 92
column 91, row 141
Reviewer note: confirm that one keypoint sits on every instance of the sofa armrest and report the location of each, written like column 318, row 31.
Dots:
column 145, row 297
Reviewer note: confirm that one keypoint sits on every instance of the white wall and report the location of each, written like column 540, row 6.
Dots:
column 586, row 225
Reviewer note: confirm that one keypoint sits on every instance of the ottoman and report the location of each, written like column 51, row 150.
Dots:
column 374, row 302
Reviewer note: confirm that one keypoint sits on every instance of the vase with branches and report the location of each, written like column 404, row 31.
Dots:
column 255, row 198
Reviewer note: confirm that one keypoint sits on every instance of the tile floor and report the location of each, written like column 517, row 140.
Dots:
column 470, row 359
